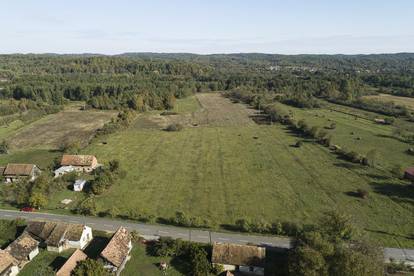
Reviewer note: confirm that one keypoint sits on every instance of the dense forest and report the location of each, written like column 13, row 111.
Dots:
column 153, row 81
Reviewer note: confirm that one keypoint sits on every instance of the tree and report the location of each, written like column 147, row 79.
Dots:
column 114, row 165
column 337, row 226
column 357, row 259
column 90, row 267
column 38, row 200
column 200, row 266
column 306, row 261
column 42, row 269
column 87, row 207
column 4, row 147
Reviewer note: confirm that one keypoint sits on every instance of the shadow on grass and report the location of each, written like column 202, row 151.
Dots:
column 398, row 192
column 96, row 246
column 57, row 263
column 410, row 237
column 353, row 194
column 347, row 165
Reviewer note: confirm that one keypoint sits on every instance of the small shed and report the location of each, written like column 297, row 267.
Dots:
column 78, row 185
column 409, row 173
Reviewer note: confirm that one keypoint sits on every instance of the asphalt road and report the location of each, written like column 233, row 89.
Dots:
column 149, row 231
column 153, row 231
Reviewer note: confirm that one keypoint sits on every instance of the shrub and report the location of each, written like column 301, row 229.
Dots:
column 4, row 147
column 298, row 144
column 362, row 193
column 174, row 127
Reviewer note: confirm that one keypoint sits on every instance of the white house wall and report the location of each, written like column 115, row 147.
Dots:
column 33, row 253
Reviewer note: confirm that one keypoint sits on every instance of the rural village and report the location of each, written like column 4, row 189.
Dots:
column 206, row 138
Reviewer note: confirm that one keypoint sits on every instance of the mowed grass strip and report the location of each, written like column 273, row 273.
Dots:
column 224, row 174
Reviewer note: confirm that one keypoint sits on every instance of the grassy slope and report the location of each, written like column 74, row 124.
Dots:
column 224, row 174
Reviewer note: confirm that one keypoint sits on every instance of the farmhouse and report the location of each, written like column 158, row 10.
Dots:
column 116, row 253
column 80, row 163
column 14, row 172
column 409, row 173
column 60, row 236
column 71, row 263
column 8, row 264
column 23, row 249
column 243, row 258
column 78, row 185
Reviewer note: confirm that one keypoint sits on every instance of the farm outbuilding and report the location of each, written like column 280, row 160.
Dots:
column 14, row 172
column 63, row 170
column 242, row 258
column 78, row 185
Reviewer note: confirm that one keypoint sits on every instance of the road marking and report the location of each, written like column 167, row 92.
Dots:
column 243, row 240
column 107, row 225
column 202, row 237
column 223, row 239
column 181, row 234
column 91, row 223
column 164, row 232
column 267, row 243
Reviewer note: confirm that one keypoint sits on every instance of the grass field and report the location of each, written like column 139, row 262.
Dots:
column 403, row 101
column 244, row 170
column 360, row 133
column 50, row 131
column 224, row 167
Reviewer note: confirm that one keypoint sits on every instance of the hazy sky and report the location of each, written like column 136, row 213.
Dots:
column 208, row 26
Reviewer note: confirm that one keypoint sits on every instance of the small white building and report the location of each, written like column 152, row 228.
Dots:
column 8, row 264
column 78, row 185
column 235, row 257
column 63, row 170
column 23, row 249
